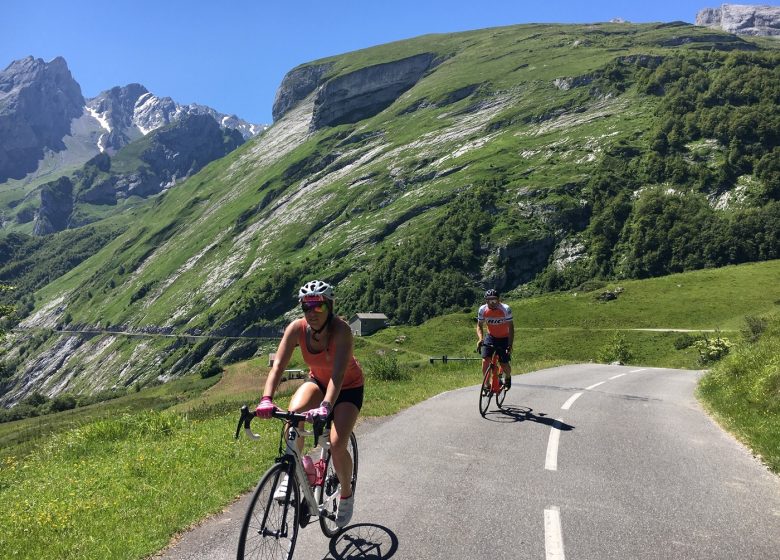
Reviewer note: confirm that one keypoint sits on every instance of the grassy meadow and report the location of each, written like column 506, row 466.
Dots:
column 119, row 479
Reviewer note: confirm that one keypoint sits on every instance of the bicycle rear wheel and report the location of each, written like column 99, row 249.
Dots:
column 331, row 489
column 486, row 391
column 270, row 526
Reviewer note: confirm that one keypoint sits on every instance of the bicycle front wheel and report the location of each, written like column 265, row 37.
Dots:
column 486, row 391
column 271, row 523
column 500, row 396
column 331, row 489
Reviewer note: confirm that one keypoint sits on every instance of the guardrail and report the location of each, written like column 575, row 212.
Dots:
column 445, row 359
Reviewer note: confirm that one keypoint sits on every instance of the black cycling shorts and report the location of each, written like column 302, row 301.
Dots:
column 499, row 345
column 354, row 395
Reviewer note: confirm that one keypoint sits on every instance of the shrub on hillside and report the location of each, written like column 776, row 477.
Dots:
column 684, row 341
column 210, row 367
column 385, row 367
column 62, row 402
column 617, row 350
column 754, row 327
column 712, row 350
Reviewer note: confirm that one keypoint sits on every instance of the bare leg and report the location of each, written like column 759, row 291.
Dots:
column 344, row 419
column 307, row 396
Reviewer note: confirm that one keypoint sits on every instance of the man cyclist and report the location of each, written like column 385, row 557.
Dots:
column 335, row 385
column 500, row 333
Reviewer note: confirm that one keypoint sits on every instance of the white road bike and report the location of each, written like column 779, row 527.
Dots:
column 271, row 524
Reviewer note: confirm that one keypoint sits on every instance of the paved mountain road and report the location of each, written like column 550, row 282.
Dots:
column 586, row 461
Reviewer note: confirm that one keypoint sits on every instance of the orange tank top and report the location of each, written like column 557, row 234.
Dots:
column 321, row 363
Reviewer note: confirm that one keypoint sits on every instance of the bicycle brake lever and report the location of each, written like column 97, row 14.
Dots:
column 243, row 418
column 318, row 427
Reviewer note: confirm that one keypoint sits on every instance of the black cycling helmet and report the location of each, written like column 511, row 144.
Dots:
column 491, row 293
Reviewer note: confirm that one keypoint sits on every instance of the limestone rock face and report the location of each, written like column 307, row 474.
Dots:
column 365, row 92
column 742, row 19
column 350, row 97
column 296, row 86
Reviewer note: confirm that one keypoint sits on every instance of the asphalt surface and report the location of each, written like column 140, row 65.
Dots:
column 584, row 462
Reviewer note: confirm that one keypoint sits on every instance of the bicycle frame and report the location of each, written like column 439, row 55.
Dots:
column 293, row 455
column 301, row 478
column 495, row 370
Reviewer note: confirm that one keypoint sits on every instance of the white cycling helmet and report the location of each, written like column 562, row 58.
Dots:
column 315, row 288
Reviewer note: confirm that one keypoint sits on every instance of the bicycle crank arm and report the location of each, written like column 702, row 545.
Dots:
column 276, row 534
column 326, row 513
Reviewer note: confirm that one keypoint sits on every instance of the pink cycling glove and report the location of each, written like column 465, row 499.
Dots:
column 320, row 413
column 266, row 408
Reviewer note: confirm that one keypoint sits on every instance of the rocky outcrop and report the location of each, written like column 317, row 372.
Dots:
column 56, row 207
column 368, row 91
column 38, row 100
column 186, row 146
column 297, row 84
column 742, row 19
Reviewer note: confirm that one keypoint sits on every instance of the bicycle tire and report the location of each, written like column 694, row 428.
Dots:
column 270, row 526
column 331, row 488
column 485, row 391
column 500, row 396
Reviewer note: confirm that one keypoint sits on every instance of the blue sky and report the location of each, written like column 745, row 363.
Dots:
column 233, row 54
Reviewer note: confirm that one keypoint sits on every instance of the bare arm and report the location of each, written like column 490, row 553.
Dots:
column 480, row 330
column 342, row 349
column 281, row 359
column 511, row 334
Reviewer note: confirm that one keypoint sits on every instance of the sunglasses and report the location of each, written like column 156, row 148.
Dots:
column 492, row 300
column 316, row 306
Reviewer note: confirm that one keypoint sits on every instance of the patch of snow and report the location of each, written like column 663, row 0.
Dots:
column 99, row 117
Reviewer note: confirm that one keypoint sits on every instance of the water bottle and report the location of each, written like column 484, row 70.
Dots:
column 308, row 466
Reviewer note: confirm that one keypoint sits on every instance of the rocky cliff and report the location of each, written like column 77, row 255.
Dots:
column 742, row 19
column 56, row 207
column 366, row 92
column 350, row 97
column 38, row 100
column 296, row 86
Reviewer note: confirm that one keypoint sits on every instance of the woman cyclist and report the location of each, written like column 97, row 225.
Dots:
column 335, row 385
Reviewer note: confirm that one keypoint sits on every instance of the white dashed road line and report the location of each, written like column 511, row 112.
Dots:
column 595, row 385
column 553, row 537
column 567, row 404
column 551, row 461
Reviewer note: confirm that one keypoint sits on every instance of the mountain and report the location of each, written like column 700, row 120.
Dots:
column 742, row 19
column 143, row 168
column 38, row 101
column 129, row 112
column 413, row 175
column 48, row 129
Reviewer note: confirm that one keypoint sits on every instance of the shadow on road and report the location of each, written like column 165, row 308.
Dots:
column 365, row 541
column 525, row 414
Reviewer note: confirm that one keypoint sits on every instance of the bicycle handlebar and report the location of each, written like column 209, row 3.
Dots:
column 291, row 417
